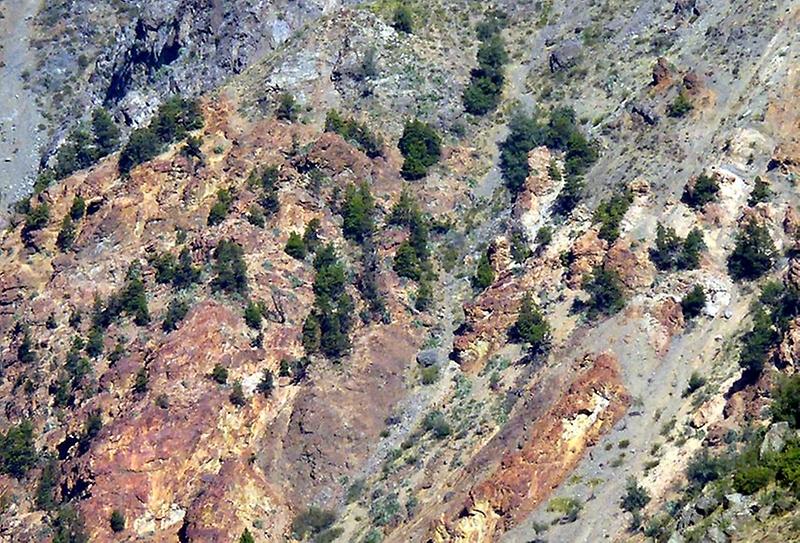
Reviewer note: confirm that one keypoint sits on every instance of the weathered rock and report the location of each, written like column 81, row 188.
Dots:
column 706, row 504
column 587, row 252
column 428, row 357
column 566, row 55
column 661, row 72
column 647, row 112
column 789, row 349
column 775, row 439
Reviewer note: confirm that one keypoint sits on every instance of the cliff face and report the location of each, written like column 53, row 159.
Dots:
column 437, row 424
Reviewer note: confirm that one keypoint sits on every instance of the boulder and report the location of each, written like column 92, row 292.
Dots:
column 428, row 357
column 646, row 112
column 661, row 71
column 706, row 505
column 775, row 439
column 789, row 349
column 566, row 55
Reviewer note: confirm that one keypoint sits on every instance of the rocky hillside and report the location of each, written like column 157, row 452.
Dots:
column 431, row 273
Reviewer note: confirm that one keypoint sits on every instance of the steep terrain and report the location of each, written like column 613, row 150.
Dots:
column 193, row 404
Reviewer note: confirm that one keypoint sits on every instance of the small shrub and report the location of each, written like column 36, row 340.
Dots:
column 237, row 394
column 230, row 268
column 253, row 315
column 693, row 302
column 680, row 106
column 761, row 192
column 402, row 20
column 287, row 108
column 117, row 521
column 220, row 374
column 531, row 326
column 267, row 383
column 636, row 497
column 786, row 401
column 696, row 381
column 176, row 312
column 17, row 450
column 703, row 190
column 430, row 375
column 484, row 273
column 295, row 246
column 312, row 521
column 750, row 479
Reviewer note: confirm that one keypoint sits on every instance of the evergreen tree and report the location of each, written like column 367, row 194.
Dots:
column 531, row 326
column 754, row 253
column 484, row 274
column 693, row 303
column 106, row 133
column 402, row 20
column 605, row 292
column 230, row 268
column 267, row 383
column 421, row 148
column 357, row 213
column 295, row 246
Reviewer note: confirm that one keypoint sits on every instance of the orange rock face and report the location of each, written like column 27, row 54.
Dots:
column 556, row 441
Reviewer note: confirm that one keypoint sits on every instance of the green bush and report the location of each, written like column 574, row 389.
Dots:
column 402, row 20
column 66, row 236
column 78, row 208
column 173, row 121
column 606, row 295
column 484, row 273
column 693, row 303
column 436, row 423
column 312, row 521
column 610, row 214
column 221, row 207
column 429, row 375
column 757, row 343
column 253, row 315
column 680, row 106
column 355, row 133
column 421, row 149
column 230, row 268
column 246, row 537
column 754, row 253
column 531, row 326
column 357, row 213
column 237, row 394
column 750, row 479
column 704, row 190
column 36, row 218
column 485, row 88
column 406, row 262
column 117, row 521
column 219, row 374
column 786, row 401
column 176, row 312
column 761, row 192
column 17, row 449
column 267, row 383
column 673, row 253
column 696, row 381
column 287, row 108
column 635, row 498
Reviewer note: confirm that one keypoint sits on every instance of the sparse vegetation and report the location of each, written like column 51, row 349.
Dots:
column 484, row 273
column 175, row 119
column 680, row 106
column 17, row 449
column 357, row 134
column 610, row 214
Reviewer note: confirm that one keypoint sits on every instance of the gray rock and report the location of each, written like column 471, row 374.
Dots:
column 715, row 535
column 706, row 505
column 688, row 518
column 676, row 537
column 428, row 357
column 647, row 113
column 735, row 501
column 774, row 439
column 566, row 55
